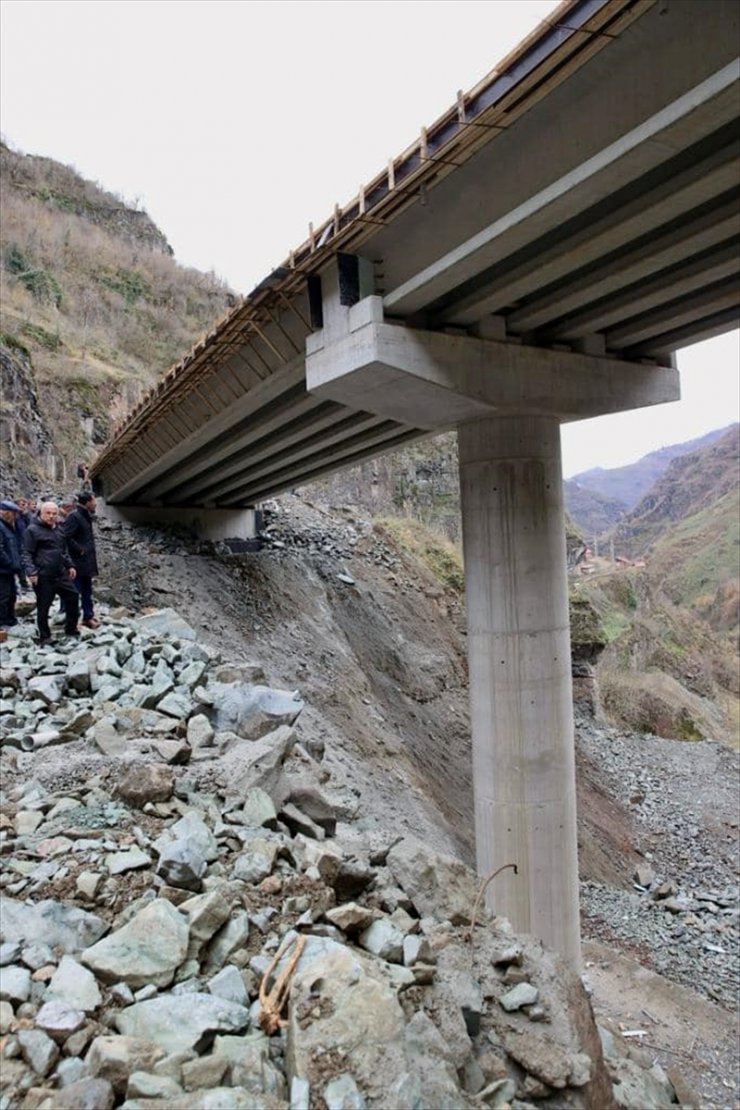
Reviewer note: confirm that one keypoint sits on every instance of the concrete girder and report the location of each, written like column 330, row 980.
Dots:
column 676, row 314
column 596, row 237
column 713, row 227
column 219, row 455
column 433, row 380
column 326, row 430
column 686, row 277
column 389, row 437
column 717, row 324
column 709, row 105
column 261, row 395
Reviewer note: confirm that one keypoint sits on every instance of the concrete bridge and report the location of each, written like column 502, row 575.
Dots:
column 536, row 256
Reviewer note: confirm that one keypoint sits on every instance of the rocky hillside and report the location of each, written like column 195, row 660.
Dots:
column 628, row 484
column 93, row 310
column 292, row 762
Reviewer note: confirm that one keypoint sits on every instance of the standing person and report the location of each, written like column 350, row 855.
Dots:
column 49, row 569
column 78, row 530
column 11, row 565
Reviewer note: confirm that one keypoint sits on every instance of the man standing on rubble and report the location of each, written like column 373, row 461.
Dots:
column 11, row 567
column 49, row 569
column 78, row 530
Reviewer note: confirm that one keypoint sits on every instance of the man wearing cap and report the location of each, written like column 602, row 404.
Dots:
column 78, row 530
column 11, row 564
column 50, row 571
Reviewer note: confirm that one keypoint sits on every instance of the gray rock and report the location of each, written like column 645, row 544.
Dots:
column 6, row 1017
column 166, row 622
column 142, row 1084
column 37, row 955
column 431, row 1061
column 200, row 732
column 191, row 675
column 342, row 1093
column 114, row 1058
column 257, row 763
column 417, row 949
column 180, row 1022
column 176, row 704
column 256, row 861
column 207, row 913
column 108, row 739
column 191, row 828
column 149, row 949
column 258, row 809
column 59, row 1020
column 229, row 984
column 54, row 924
column 182, row 865
column 523, row 994
column 251, row 711
column 350, row 917
column 78, row 676
column 132, row 860
column 437, row 885
column 70, row 1070
column 85, row 1094
column 300, row 1093
column 383, row 940
column 204, row 1072
column 49, row 688
column 146, row 782
column 357, row 1013
column 15, row 984
column 38, row 1050
column 233, row 935
column 10, row 952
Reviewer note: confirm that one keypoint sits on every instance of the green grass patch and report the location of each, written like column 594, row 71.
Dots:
column 436, row 552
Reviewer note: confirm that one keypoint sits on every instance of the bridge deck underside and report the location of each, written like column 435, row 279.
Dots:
column 622, row 241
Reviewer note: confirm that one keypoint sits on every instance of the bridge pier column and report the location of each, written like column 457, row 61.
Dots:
column 520, row 677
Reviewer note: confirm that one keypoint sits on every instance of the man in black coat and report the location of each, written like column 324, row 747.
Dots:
column 11, row 563
column 78, row 530
column 49, row 569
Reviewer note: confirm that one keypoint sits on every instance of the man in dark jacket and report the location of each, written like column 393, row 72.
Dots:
column 78, row 530
column 11, row 563
column 49, row 569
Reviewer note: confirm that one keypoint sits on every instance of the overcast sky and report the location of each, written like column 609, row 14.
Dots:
column 235, row 122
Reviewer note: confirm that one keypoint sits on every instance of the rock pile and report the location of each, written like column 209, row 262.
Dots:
column 194, row 916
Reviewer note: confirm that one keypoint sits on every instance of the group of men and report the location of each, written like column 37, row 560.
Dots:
column 53, row 550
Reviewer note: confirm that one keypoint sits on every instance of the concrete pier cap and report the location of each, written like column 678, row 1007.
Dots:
column 507, row 401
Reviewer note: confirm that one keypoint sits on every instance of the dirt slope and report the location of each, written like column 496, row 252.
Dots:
column 377, row 650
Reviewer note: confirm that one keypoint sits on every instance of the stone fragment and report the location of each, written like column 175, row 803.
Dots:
column 173, row 752
column 54, row 924
column 178, row 1022
column 142, row 1084
column 146, row 782
column 78, row 676
column 207, row 913
column 251, row 711
column 644, row 875
column 437, row 885
column 48, row 688
column 200, row 732
column 357, row 1013
column 204, row 1073
column 229, row 984
column 182, row 865
column 256, row 861
column 38, row 1050
column 193, row 829
column 233, row 935
column 417, row 949
column 132, row 860
column 6, row 1017
column 350, row 917
column 383, row 940
column 299, row 822
column 258, row 809
column 59, row 1019
column 539, row 1055
column 523, row 994
column 166, row 622
column 430, row 1060
column 248, row 764
column 15, row 984
column 176, row 704
column 70, row 1070
column 342, row 1093
column 27, row 821
column 115, row 1058
column 108, row 739
column 300, row 1093
column 148, row 949
column 87, row 884
column 37, row 955
column 85, row 1094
